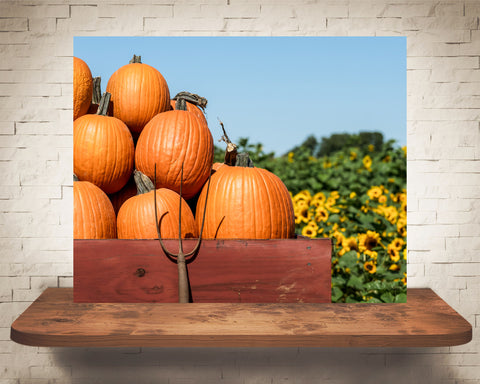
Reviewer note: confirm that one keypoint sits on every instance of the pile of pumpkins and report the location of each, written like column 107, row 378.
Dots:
column 136, row 134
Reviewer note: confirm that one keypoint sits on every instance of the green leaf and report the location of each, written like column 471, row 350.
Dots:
column 337, row 293
column 387, row 297
column 350, row 299
column 374, row 300
column 355, row 282
column 338, row 280
column 401, row 298
column 348, row 260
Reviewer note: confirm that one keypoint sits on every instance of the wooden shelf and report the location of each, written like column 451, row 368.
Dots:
column 54, row 320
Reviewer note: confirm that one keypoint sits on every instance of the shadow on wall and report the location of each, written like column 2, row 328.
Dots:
column 246, row 365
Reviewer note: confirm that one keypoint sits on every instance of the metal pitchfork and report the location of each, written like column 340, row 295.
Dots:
column 181, row 258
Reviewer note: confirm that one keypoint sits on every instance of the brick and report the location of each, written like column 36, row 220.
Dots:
column 13, row 24
column 419, row 243
column 35, row 10
column 176, row 24
column 83, row 17
column 472, row 8
column 39, row 26
column 7, row 128
column 30, row 89
column 65, row 282
column 366, row 8
column 408, row 10
column 449, row 9
column 125, row 11
column 42, row 128
column 441, row 36
column 46, row 372
column 42, row 269
column 465, row 269
column 230, row 10
column 446, row 22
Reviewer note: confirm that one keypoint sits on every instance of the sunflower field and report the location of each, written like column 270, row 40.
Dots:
column 357, row 197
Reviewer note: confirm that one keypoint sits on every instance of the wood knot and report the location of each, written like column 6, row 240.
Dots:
column 140, row 272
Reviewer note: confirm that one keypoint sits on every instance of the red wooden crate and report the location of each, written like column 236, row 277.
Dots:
column 224, row 271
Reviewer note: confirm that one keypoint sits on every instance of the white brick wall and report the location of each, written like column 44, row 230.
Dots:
column 36, row 45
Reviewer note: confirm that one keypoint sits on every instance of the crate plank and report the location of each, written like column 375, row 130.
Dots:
column 224, row 271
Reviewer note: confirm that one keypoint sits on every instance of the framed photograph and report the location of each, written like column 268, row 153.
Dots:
column 288, row 151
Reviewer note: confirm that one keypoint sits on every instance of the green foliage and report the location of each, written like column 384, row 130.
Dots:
column 356, row 196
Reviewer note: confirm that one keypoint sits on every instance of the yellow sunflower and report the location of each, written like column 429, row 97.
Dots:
column 367, row 162
column 339, row 238
column 350, row 243
column 353, row 156
column 313, row 225
column 368, row 240
column 320, row 196
column 397, row 243
column 303, row 214
column 401, row 226
column 382, row 199
column 335, row 194
column 371, row 254
column 321, row 214
column 374, row 192
column 290, row 157
column 394, row 267
column 309, row 231
column 302, row 196
column 393, row 252
column 370, row 267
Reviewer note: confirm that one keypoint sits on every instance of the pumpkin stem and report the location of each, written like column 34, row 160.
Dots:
column 192, row 98
column 136, row 59
column 181, row 104
column 97, row 91
column 243, row 160
column 104, row 104
column 143, row 182
column 75, row 177
column 231, row 151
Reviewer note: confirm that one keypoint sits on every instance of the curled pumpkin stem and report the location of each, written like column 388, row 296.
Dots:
column 192, row 98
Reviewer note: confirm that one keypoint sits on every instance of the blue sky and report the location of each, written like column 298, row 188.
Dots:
column 274, row 90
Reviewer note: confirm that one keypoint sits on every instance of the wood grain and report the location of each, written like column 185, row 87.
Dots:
column 224, row 271
column 424, row 321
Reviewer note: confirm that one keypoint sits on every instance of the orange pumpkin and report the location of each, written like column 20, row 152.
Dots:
column 93, row 214
column 136, row 217
column 82, row 88
column 216, row 166
column 103, row 150
column 139, row 92
column 246, row 203
column 169, row 140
